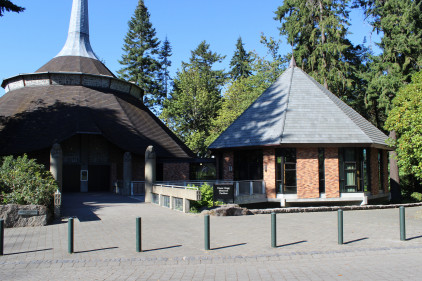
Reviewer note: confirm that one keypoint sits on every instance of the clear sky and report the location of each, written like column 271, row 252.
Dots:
column 30, row 39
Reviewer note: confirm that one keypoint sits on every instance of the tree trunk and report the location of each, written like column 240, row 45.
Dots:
column 394, row 173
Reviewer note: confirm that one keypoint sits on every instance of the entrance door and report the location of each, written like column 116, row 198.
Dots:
column 71, row 180
column 99, row 178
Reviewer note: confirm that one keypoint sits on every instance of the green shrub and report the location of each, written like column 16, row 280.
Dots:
column 206, row 198
column 417, row 196
column 24, row 181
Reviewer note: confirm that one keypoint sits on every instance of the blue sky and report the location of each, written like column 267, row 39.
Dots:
column 30, row 39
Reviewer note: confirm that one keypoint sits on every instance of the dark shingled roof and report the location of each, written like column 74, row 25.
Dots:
column 297, row 110
column 34, row 118
column 76, row 64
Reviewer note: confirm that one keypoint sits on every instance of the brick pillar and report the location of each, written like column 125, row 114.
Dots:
column 269, row 173
column 385, row 169
column 227, row 163
column 332, row 176
column 307, row 173
column 374, row 171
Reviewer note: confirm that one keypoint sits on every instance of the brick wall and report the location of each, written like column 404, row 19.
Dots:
column 270, row 174
column 227, row 162
column 175, row 171
column 307, row 173
column 374, row 171
column 332, row 180
column 385, row 169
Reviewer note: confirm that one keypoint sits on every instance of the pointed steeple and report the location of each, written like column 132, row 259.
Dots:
column 292, row 62
column 77, row 43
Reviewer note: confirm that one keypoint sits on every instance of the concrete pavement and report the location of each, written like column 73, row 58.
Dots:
column 173, row 245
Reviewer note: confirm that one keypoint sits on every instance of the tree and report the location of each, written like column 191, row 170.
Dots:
column 240, row 62
column 317, row 31
column 8, row 6
column 195, row 99
column 140, row 59
column 405, row 119
column 164, row 57
column 401, row 25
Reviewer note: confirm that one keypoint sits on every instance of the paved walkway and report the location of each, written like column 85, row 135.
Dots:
column 173, row 245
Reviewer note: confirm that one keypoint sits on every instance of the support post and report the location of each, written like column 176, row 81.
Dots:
column 127, row 173
column 150, row 172
column 273, row 230
column 340, row 226
column 207, row 232
column 1, row 237
column 56, row 164
column 70, row 237
column 138, row 234
column 402, row 224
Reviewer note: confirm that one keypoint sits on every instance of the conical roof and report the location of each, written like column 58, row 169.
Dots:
column 297, row 110
column 77, row 54
column 76, row 94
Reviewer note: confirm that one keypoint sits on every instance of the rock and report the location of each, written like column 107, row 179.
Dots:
column 228, row 210
column 10, row 215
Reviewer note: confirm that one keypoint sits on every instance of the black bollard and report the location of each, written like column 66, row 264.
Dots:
column 138, row 235
column 70, row 238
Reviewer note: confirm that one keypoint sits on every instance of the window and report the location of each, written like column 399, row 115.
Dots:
column 354, row 170
column 286, row 171
column 321, row 169
column 248, row 165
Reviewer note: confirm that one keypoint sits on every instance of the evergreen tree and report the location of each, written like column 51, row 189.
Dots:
column 401, row 25
column 240, row 62
column 8, row 6
column 164, row 57
column 195, row 99
column 140, row 59
column 317, row 31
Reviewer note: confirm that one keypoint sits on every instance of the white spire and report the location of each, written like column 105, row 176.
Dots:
column 77, row 43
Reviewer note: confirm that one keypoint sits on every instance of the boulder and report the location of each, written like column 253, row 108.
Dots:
column 12, row 218
column 228, row 210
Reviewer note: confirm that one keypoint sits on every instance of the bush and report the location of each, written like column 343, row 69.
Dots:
column 206, row 199
column 23, row 181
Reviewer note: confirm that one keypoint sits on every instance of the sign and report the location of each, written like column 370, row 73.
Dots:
column 224, row 193
column 28, row 213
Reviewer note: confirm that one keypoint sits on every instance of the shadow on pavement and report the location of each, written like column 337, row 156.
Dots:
column 291, row 244
column 230, row 246
column 416, row 237
column 357, row 240
column 27, row 252
column 84, row 205
column 95, row 250
column 164, row 248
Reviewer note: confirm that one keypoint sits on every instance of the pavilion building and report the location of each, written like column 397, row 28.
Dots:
column 306, row 145
column 91, row 128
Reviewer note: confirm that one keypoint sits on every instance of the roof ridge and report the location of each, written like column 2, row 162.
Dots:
column 345, row 108
column 287, row 102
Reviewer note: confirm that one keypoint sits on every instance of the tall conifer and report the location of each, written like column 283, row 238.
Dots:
column 140, row 59
column 8, row 6
column 241, row 62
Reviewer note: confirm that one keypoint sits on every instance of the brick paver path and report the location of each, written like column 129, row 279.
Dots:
column 173, row 245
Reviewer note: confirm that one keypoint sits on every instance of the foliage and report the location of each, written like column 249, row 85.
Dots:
column 195, row 99
column 23, row 181
column 8, row 6
column 240, row 62
column 140, row 60
column 417, row 196
column 206, row 198
column 406, row 119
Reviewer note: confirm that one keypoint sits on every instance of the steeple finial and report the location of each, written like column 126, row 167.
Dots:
column 292, row 62
column 77, row 43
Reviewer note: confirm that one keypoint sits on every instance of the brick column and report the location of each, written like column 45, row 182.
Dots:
column 307, row 173
column 228, row 162
column 332, row 176
column 374, row 171
column 269, row 173
column 385, row 169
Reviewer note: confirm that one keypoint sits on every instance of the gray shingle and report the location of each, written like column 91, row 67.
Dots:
column 298, row 110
